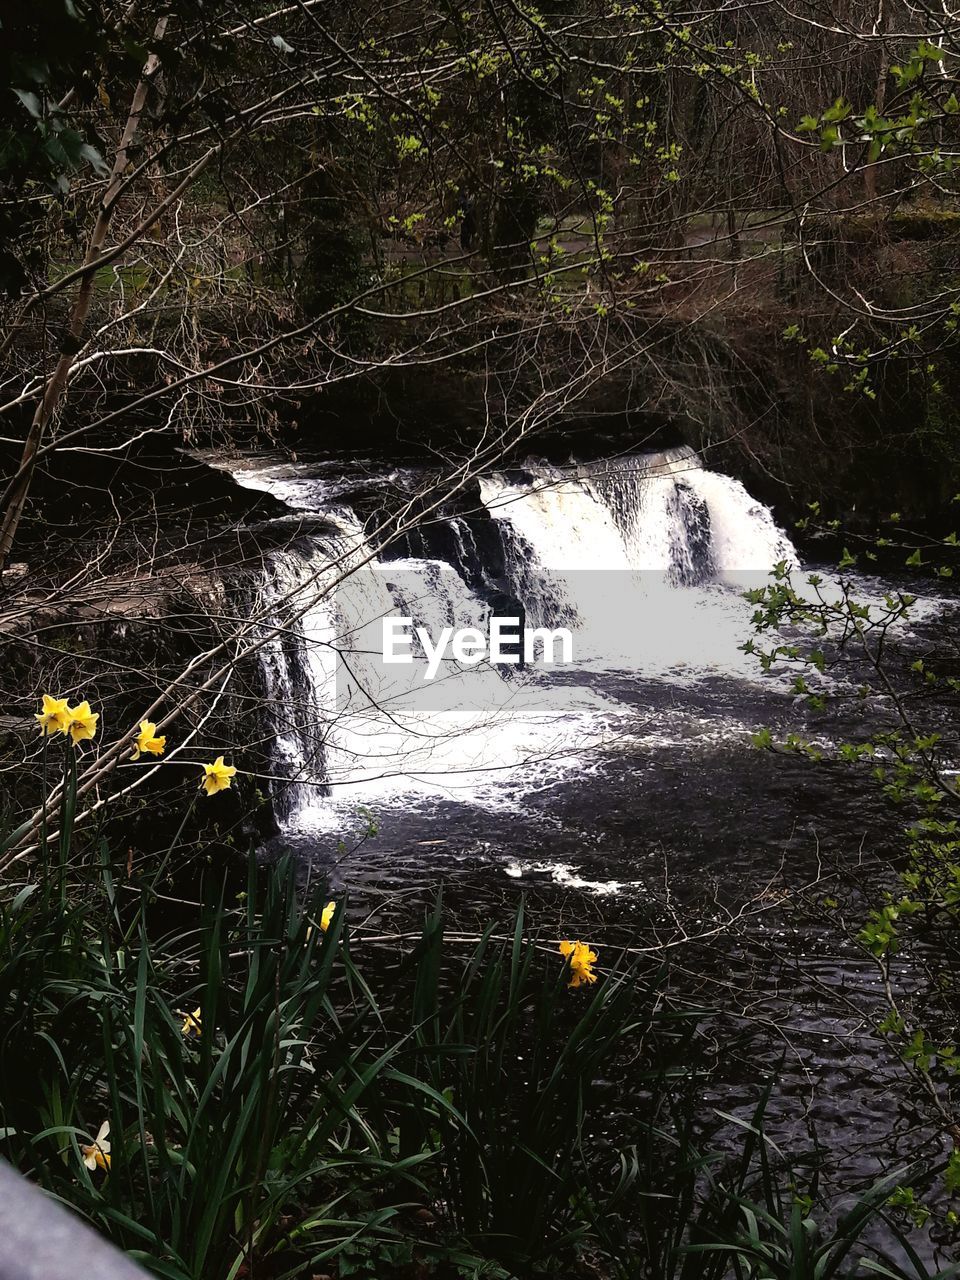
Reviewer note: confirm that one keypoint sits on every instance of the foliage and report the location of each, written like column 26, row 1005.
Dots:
column 760, row 1221
column 45, row 48
column 519, row 1063
column 838, row 626
column 212, row 1137
column 216, row 1085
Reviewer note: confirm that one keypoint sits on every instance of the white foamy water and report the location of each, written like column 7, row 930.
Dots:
column 344, row 722
column 645, row 561
column 641, row 556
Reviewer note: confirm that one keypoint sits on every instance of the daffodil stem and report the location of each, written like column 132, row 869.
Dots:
column 68, row 798
column 44, row 852
column 175, row 841
column 166, row 858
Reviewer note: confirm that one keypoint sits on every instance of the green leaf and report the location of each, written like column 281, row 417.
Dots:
column 31, row 102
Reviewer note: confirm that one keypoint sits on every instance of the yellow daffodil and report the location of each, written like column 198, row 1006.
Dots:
column 54, row 718
column 82, row 721
column 582, row 960
column 218, row 776
column 147, row 741
column 191, row 1025
column 97, row 1155
column 326, row 916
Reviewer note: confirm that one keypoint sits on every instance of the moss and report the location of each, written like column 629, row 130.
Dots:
column 904, row 224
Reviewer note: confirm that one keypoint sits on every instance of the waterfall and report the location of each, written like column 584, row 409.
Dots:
column 611, row 546
column 658, row 513
column 293, row 694
column 299, row 666
column 335, row 714
column 643, row 557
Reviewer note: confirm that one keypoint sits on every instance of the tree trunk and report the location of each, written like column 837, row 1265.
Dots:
column 879, row 96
